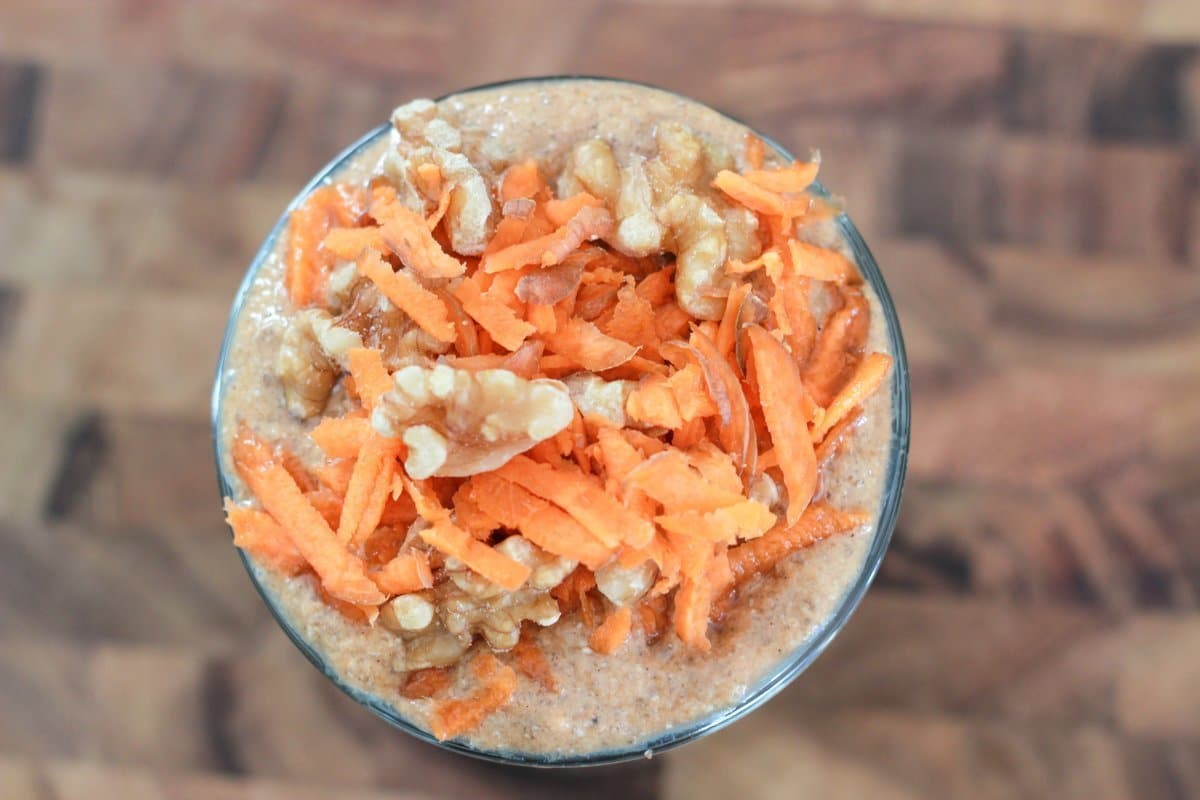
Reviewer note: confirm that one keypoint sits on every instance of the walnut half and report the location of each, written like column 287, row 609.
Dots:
column 456, row 422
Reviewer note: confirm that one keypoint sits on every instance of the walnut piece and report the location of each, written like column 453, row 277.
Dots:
column 420, row 136
column 623, row 586
column 458, row 423
column 595, row 396
column 701, row 249
column 304, row 369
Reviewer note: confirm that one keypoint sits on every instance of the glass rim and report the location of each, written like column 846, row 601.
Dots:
column 768, row 685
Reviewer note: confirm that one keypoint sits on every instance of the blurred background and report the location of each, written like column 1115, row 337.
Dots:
column 1028, row 175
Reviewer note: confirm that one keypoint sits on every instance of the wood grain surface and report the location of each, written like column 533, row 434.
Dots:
column 1028, row 175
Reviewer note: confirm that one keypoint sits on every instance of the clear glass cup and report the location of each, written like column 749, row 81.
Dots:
column 768, row 685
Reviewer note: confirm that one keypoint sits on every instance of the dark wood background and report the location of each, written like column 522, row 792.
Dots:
column 1028, row 176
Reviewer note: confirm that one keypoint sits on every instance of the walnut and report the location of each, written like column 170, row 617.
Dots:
column 458, row 423
column 700, row 281
column 592, row 168
column 623, row 586
column 595, row 396
column 471, row 605
column 306, row 372
column 435, row 648
column 638, row 232
column 421, row 136
column 408, row 613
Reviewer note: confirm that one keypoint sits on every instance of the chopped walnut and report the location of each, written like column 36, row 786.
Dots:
column 408, row 613
column 306, row 372
column 470, row 605
column 623, row 586
column 595, row 396
column 421, row 136
column 639, row 232
column 700, row 281
column 457, row 422
column 592, row 168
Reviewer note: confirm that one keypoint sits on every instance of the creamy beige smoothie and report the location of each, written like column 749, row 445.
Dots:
column 644, row 689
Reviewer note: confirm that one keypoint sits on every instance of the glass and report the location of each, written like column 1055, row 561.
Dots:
column 766, row 687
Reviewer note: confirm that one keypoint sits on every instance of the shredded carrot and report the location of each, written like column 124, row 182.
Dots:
column 653, row 402
column 866, row 380
column 335, row 474
column 755, row 151
column 305, row 264
column 835, row 440
column 521, row 180
column 838, row 348
column 550, row 528
column 744, row 519
column 790, row 303
column 343, row 575
column 425, row 683
column 407, row 235
column 750, row 194
column 505, row 327
column 727, row 330
column 632, row 320
column 343, row 437
column 455, row 717
column 371, row 378
column 560, row 212
column 821, row 263
column 258, row 534
column 405, row 573
column 583, row 498
column 531, row 662
column 780, row 389
column 671, row 480
column 819, row 521
column 370, row 485
column 613, row 632
column 349, row 243
column 425, row 308
column 586, row 346
column 588, row 223
column 327, row 502
column 795, row 177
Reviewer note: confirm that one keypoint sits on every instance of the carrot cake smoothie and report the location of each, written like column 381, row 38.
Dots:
column 559, row 416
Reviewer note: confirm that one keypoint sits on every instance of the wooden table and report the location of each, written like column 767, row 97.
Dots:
column 1028, row 176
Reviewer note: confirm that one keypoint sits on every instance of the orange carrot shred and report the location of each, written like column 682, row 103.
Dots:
column 780, row 389
column 588, row 223
column 371, row 378
column 425, row 683
column 505, row 327
column 821, row 263
column 672, row 481
column 586, row 346
column 342, row 574
column 425, row 308
column 258, row 534
column 531, row 662
column 867, row 378
column 584, row 498
column 795, row 177
column 749, row 194
column 408, row 572
column 613, row 632
column 819, row 521
column 653, row 402
column 755, row 151
column 343, row 437
column 521, row 180
column 407, row 234
column 453, row 718
column 560, row 212
column 745, row 519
